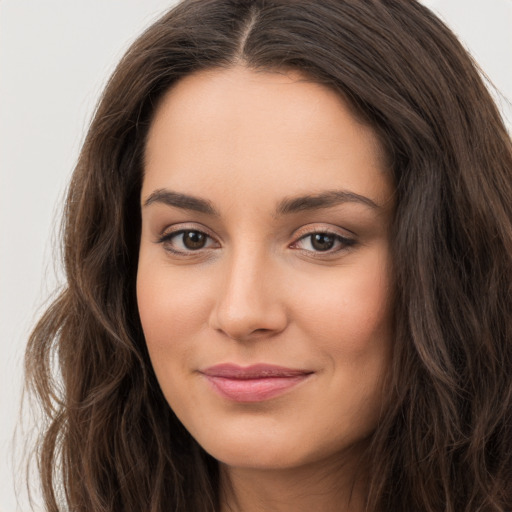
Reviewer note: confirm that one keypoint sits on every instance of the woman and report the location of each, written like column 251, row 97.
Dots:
column 288, row 245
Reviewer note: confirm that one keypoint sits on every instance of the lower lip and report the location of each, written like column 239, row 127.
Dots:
column 254, row 390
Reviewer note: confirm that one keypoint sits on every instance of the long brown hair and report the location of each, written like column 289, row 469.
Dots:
column 112, row 443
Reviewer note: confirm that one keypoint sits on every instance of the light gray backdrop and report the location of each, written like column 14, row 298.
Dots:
column 55, row 57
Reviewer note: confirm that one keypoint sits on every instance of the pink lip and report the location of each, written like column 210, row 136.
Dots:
column 253, row 383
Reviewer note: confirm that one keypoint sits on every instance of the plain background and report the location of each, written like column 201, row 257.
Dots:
column 55, row 57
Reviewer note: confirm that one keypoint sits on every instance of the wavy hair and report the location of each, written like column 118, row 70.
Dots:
column 112, row 443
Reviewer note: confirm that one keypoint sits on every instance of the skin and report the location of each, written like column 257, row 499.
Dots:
column 259, row 290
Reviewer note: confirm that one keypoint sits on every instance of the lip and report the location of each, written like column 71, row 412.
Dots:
column 254, row 383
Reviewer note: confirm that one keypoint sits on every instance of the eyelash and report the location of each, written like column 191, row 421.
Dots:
column 166, row 240
column 344, row 243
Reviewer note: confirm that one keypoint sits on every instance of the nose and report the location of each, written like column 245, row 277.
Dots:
column 249, row 303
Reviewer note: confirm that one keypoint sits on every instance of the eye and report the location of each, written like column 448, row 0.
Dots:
column 323, row 242
column 186, row 240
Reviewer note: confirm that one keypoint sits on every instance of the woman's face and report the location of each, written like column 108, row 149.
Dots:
column 264, row 283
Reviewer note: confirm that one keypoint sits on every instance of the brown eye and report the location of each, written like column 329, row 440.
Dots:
column 194, row 240
column 322, row 241
column 186, row 241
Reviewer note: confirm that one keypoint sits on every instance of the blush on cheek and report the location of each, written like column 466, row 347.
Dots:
column 354, row 319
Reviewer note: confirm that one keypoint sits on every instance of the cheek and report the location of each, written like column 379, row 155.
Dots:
column 173, row 311
column 168, row 302
column 351, row 323
column 351, row 314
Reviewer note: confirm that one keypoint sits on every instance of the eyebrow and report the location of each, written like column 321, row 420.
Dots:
column 182, row 201
column 323, row 200
column 287, row 206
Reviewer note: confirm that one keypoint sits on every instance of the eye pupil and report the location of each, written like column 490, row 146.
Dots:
column 194, row 239
column 322, row 241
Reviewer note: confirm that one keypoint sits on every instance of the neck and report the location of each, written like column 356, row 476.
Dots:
column 328, row 486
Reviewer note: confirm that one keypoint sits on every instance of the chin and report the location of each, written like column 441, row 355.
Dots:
column 250, row 449
column 273, row 451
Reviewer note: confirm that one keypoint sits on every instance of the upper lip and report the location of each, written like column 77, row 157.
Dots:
column 255, row 371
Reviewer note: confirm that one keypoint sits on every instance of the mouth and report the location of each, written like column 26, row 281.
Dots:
column 254, row 383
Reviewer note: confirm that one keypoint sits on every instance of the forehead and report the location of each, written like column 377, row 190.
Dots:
column 266, row 131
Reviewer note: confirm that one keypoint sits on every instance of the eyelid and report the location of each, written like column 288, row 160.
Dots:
column 319, row 227
column 186, row 226
column 337, row 232
column 176, row 229
column 311, row 229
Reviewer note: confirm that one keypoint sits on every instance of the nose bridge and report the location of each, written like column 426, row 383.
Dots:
column 248, row 301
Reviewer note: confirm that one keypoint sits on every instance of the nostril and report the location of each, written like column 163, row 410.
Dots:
column 261, row 331
column 248, row 335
